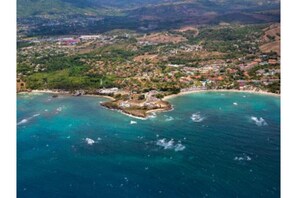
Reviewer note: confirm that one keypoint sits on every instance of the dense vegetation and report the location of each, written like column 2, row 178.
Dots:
column 216, row 57
column 61, row 17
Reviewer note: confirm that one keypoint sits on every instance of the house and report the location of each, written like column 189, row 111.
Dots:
column 260, row 72
column 124, row 104
column 90, row 37
column 272, row 61
column 108, row 91
column 220, row 78
column 242, row 83
column 175, row 65
column 67, row 41
column 258, row 60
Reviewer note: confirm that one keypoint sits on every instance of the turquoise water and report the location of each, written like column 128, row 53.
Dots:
column 210, row 145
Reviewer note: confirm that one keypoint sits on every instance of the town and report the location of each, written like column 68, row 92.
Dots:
column 139, row 69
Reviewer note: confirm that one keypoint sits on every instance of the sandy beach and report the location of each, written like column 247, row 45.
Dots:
column 49, row 91
column 166, row 97
column 66, row 93
column 221, row 90
column 100, row 96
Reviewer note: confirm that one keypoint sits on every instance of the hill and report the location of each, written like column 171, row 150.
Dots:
column 58, row 17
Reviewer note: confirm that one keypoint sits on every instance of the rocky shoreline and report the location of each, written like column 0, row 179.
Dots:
column 138, row 111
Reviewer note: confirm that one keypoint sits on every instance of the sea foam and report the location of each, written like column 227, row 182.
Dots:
column 259, row 122
column 170, row 144
column 179, row 147
column 152, row 115
column 244, row 157
column 59, row 109
column 166, row 144
column 23, row 121
column 196, row 117
column 168, row 118
column 89, row 141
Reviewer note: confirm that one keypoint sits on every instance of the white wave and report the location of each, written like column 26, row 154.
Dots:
column 23, row 121
column 259, row 122
column 99, row 138
column 170, row 144
column 169, row 118
column 140, row 137
column 59, row 109
column 133, row 122
column 235, row 103
column 89, row 141
column 164, row 144
column 179, row 147
column 33, row 93
column 152, row 115
column 196, row 117
column 244, row 157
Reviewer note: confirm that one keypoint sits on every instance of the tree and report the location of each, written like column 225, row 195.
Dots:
column 141, row 97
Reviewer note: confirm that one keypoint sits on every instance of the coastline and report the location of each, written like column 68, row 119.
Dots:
column 124, row 113
column 66, row 93
column 99, row 96
column 221, row 90
column 160, row 110
column 166, row 98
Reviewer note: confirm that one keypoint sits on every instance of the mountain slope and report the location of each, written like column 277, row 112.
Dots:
column 55, row 17
column 29, row 8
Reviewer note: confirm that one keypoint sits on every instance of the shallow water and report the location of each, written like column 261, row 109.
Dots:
column 72, row 147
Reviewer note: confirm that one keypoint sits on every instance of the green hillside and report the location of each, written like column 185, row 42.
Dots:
column 59, row 17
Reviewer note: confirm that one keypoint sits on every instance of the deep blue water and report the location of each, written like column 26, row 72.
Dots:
column 231, row 149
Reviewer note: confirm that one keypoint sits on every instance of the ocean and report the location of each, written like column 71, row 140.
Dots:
column 213, row 144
